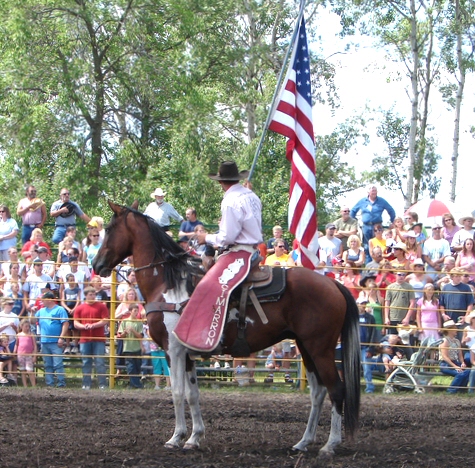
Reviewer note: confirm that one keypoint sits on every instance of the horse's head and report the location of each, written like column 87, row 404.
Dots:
column 118, row 241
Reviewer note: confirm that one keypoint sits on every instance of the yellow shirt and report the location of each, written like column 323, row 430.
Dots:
column 278, row 261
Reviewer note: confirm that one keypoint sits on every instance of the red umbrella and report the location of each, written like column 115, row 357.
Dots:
column 429, row 208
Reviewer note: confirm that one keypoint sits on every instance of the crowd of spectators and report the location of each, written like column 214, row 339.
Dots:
column 401, row 275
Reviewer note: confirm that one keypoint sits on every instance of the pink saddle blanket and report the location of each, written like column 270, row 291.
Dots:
column 202, row 322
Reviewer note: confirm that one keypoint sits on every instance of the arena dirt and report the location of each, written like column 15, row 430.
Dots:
column 71, row 428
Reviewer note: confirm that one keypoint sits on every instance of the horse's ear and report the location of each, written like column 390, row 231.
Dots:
column 114, row 206
column 135, row 205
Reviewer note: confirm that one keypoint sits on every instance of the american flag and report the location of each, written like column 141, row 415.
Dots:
column 292, row 117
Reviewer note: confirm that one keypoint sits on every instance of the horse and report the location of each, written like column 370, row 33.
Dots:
column 314, row 310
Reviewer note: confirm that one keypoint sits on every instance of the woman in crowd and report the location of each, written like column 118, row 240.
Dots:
column 451, row 358
column 466, row 258
column 351, row 278
column 36, row 240
column 63, row 248
column 428, row 318
column 12, row 277
column 92, row 246
column 400, row 261
column 355, row 253
column 371, row 293
column 449, row 228
column 384, row 278
column 8, row 232
column 418, row 278
column 413, row 249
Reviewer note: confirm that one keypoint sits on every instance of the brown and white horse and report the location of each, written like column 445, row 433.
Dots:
column 314, row 310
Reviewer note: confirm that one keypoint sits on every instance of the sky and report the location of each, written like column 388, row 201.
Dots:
column 362, row 80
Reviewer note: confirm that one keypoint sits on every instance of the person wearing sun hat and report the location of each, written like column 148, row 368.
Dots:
column 434, row 250
column 451, row 358
column 466, row 232
column 161, row 211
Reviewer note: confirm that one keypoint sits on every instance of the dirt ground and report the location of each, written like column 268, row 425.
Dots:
column 124, row 428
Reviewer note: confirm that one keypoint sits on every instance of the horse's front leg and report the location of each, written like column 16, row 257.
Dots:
column 177, row 376
column 193, row 398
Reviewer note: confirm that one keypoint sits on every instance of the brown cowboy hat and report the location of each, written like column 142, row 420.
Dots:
column 36, row 203
column 228, row 170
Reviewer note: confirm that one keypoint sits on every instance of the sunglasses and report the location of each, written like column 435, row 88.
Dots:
column 436, row 229
column 66, row 193
column 466, row 276
column 94, row 235
column 378, row 230
column 2, row 211
column 400, row 274
column 281, row 246
column 345, row 211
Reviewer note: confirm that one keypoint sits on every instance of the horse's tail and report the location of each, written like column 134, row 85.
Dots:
column 351, row 360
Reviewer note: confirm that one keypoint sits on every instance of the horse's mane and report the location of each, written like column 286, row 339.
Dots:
column 172, row 257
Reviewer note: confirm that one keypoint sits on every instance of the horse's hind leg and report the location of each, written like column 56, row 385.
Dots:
column 317, row 396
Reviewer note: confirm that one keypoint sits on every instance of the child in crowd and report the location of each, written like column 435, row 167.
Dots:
column 160, row 366
column 390, row 243
column 390, row 353
column 6, row 359
column 19, row 304
column 70, row 299
column 131, row 331
column 26, row 350
column 274, row 361
column 421, row 237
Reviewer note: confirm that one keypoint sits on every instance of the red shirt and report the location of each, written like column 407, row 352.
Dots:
column 91, row 313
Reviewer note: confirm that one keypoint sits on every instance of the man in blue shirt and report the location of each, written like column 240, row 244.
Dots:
column 54, row 325
column 456, row 298
column 187, row 228
column 372, row 208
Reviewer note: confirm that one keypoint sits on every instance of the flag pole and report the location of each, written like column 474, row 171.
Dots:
column 277, row 89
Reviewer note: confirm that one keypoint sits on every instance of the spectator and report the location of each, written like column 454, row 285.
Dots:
column 399, row 233
column 274, row 362
column 36, row 240
column 434, row 251
column 101, row 295
column 331, row 247
column 377, row 239
column 418, row 278
column 385, row 277
column 9, row 322
column 12, row 277
column 413, row 249
column 468, row 336
column 49, row 267
column 400, row 261
column 368, row 339
column 160, row 366
column 91, row 247
column 90, row 319
column 354, row 253
column 6, row 359
column 420, row 232
column 63, row 248
column 187, row 228
column 449, row 228
column 279, row 258
column 131, row 282
column 456, row 298
column 34, row 283
column 71, row 232
column 33, row 213
column 19, row 306
column 444, row 277
column 399, row 304
column 428, row 316
column 26, row 350
column 161, row 211
column 53, row 328
column 65, row 212
column 466, row 232
column 351, row 279
column 371, row 293
column 13, row 258
column 8, row 232
column 390, row 243
column 131, row 331
column 71, row 295
column 277, row 233
column 372, row 208
column 466, row 258
column 412, row 219
column 377, row 257
column 79, row 269
column 451, row 358
column 345, row 227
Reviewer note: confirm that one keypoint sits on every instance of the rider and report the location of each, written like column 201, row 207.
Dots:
column 238, row 236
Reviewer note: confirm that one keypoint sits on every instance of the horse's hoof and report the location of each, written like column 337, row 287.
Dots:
column 171, row 446
column 300, row 448
column 191, row 446
column 325, row 455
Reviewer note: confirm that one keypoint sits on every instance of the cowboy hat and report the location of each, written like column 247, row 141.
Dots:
column 158, row 193
column 400, row 245
column 464, row 218
column 364, row 279
column 449, row 324
column 36, row 203
column 70, row 208
column 228, row 170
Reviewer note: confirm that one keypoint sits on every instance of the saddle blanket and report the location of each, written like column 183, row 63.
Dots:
column 202, row 322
